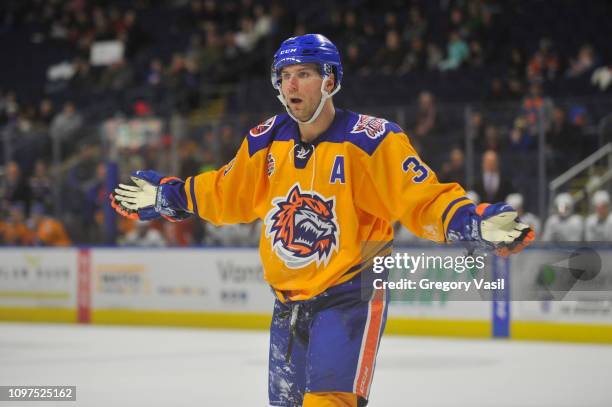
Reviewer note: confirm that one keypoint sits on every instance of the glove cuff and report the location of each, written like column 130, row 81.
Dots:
column 171, row 200
column 464, row 227
column 171, row 194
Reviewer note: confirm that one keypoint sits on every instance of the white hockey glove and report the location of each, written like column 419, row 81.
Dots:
column 152, row 196
column 495, row 227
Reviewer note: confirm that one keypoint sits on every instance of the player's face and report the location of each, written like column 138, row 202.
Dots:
column 301, row 87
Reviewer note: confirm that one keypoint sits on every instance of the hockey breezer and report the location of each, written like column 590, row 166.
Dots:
column 324, row 180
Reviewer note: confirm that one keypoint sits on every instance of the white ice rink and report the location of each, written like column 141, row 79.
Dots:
column 120, row 366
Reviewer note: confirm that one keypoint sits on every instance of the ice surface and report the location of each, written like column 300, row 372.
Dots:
column 121, row 366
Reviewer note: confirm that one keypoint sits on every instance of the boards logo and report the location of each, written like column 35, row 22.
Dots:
column 302, row 228
column 373, row 127
column 263, row 128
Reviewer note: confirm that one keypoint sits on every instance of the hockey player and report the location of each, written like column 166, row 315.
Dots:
column 324, row 181
column 565, row 225
column 598, row 225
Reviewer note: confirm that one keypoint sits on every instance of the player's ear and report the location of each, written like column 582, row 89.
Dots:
column 331, row 83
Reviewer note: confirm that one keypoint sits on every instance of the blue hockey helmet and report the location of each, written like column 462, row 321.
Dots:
column 308, row 49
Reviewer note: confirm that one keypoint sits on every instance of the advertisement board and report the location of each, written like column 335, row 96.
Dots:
column 32, row 277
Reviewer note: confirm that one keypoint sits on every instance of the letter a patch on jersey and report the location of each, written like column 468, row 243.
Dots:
column 337, row 172
column 302, row 228
column 373, row 127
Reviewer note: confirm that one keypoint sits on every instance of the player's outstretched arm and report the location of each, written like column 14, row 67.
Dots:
column 150, row 197
column 495, row 227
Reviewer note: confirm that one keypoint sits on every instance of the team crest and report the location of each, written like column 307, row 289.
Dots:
column 302, row 228
column 263, row 128
column 373, row 127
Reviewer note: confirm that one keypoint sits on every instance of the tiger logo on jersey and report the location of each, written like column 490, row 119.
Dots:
column 263, row 128
column 373, row 127
column 302, row 228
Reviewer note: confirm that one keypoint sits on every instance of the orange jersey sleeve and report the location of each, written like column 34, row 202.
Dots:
column 398, row 185
column 228, row 195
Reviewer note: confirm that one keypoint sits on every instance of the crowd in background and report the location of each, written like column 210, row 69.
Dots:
column 520, row 69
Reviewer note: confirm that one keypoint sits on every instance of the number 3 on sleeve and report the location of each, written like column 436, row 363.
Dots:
column 421, row 172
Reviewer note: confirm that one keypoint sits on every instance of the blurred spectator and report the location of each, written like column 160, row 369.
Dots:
column 390, row 21
column 521, row 138
column 45, row 114
column 457, row 22
column 41, row 186
column 477, row 123
column 155, row 73
column 417, row 26
column 83, row 77
column 454, row 169
column 598, row 225
column 492, row 186
column 416, row 58
column 183, row 80
column 388, row 60
column 516, row 201
column 351, row 29
column 132, row 33
column 544, row 64
column 476, row 57
column 563, row 142
column 456, row 53
column 602, row 77
column 9, row 107
column 497, row 92
column 14, row 231
column 535, row 106
column 353, row 61
column 491, row 139
column 143, row 235
column 13, row 188
column 263, row 22
column 65, row 128
column 231, row 55
column 210, row 58
column 246, row 38
column 425, row 122
column 516, row 65
column 564, row 225
column 434, row 56
column 96, row 197
column 117, row 76
column 515, row 89
column 583, row 63
column 47, row 230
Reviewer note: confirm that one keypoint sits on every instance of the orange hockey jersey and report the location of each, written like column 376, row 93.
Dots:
column 322, row 202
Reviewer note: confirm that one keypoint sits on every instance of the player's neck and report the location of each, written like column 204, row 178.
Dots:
column 310, row 132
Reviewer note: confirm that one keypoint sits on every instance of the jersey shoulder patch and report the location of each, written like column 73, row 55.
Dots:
column 367, row 132
column 261, row 136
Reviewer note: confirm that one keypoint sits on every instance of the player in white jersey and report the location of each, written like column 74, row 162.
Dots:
column 598, row 225
column 565, row 225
